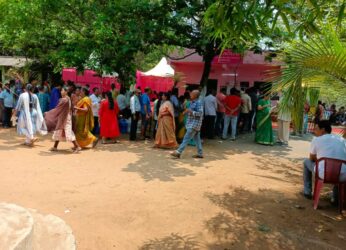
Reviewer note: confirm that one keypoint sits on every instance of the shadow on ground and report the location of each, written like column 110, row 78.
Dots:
column 172, row 242
column 167, row 169
column 265, row 219
column 268, row 220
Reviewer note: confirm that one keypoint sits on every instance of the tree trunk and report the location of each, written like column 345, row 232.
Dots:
column 208, row 57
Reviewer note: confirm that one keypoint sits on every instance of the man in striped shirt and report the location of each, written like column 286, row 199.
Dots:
column 193, row 126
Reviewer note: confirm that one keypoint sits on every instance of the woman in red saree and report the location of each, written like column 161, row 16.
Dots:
column 165, row 134
column 109, row 119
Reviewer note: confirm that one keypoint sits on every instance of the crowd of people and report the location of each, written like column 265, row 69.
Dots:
column 75, row 115
column 336, row 117
column 82, row 115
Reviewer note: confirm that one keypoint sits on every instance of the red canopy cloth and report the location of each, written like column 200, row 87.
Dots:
column 155, row 83
column 89, row 77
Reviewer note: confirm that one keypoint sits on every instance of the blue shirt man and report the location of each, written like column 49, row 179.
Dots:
column 145, row 110
column 43, row 98
column 54, row 97
column 145, row 104
column 8, row 102
column 7, row 96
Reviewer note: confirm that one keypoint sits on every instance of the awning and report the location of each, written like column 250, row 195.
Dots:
column 9, row 61
column 162, row 69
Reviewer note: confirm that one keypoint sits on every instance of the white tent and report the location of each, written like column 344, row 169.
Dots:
column 162, row 69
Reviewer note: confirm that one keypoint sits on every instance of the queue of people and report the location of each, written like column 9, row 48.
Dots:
column 163, row 117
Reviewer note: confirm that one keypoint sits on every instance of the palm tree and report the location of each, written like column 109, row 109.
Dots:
column 317, row 62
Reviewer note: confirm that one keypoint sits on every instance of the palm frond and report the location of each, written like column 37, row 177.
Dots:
column 313, row 67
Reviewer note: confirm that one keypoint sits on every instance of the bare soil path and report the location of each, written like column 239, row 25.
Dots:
column 131, row 196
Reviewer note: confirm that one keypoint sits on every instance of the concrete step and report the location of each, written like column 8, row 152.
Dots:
column 26, row 229
column 51, row 232
column 16, row 227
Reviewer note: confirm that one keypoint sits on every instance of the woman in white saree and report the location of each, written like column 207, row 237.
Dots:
column 30, row 120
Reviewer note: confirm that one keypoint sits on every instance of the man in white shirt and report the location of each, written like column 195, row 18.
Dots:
column 210, row 107
column 325, row 145
column 123, row 104
column 135, row 107
column 96, row 100
column 284, row 121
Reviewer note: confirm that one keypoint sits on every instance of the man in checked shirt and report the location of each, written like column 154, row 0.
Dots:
column 193, row 126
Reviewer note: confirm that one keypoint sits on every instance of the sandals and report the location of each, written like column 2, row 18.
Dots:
column 95, row 143
column 34, row 140
column 28, row 144
column 76, row 150
column 198, row 156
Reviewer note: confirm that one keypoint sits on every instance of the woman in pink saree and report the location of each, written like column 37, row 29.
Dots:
column 165, row 134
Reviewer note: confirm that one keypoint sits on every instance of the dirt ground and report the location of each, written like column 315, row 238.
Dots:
column 131, row 196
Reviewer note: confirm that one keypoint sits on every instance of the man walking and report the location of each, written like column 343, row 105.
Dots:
column 210, row 107
column 193, row 126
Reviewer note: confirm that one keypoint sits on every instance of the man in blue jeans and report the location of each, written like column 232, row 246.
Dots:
column 193, row 126
column 232, row 105
column 324, row 145
column 145, row 111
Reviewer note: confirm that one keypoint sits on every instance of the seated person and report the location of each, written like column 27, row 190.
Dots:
column 326, row 145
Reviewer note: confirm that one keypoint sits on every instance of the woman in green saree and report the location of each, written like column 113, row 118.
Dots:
column 264, row 131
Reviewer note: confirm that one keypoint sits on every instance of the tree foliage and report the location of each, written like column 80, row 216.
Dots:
column 103, row 35
column 234, row 22
column 318, row 62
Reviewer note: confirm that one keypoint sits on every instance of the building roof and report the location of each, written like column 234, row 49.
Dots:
column 10, row 61
column 249, row 57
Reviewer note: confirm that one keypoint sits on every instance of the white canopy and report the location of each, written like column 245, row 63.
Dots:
column 162, row 69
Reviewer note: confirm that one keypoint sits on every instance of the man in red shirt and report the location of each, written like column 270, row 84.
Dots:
column 232, row 105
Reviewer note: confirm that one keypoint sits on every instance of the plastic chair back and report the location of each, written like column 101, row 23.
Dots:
column 332, row 168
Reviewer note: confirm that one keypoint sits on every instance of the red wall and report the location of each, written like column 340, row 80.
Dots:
column 89, row 77
column 192, row 71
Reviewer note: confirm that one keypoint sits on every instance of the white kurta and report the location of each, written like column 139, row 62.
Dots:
column 30, row 120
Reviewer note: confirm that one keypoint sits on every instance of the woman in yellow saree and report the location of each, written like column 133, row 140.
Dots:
column 84, row 121
column 165, row 134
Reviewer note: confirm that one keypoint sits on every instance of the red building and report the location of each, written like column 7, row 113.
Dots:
column 229, row 70
column 89, row 77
